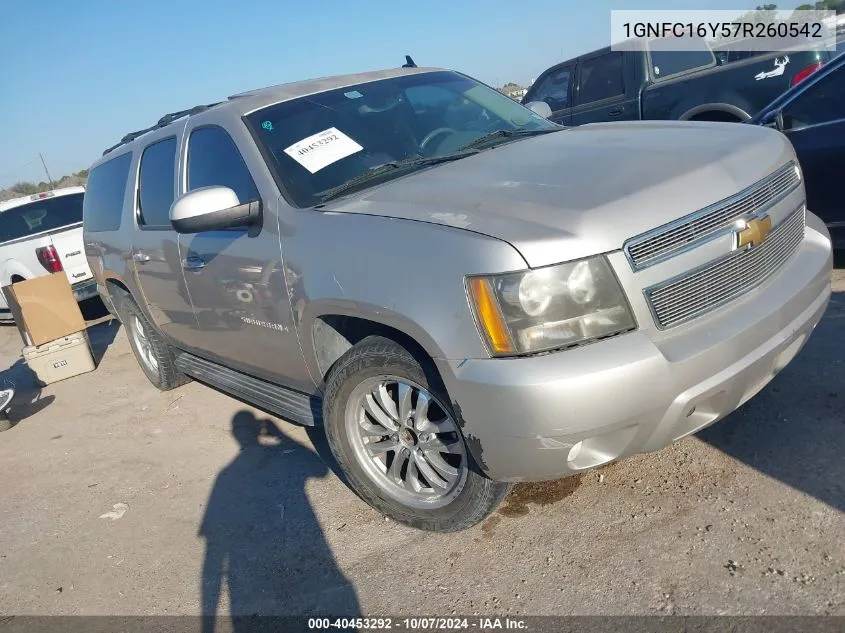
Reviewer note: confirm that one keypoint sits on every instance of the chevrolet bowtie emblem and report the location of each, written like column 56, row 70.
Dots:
column 755, row 232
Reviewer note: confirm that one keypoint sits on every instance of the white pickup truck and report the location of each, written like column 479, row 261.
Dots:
column 41, row 234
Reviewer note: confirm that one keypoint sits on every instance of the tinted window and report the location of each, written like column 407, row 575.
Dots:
column 213, row 160
column 821, row 103
column 738, row 56
column 39, row 216
column 553, row 89
column 665, row 63
column 601, row 78
column 104, row 194
column 156, row 183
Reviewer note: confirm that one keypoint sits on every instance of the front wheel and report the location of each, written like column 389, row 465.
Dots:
column 399, row 443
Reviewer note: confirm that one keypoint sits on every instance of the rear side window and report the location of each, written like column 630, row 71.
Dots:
column 553, row 89
column 43, row 215
column 214, row 160
column 156, row 188
column 601, row 78
column 667, row 62
column 104, row 194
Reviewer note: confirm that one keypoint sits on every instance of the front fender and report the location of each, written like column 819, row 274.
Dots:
column 404, row 274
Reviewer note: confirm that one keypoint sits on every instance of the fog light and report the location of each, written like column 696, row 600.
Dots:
column 575, row 451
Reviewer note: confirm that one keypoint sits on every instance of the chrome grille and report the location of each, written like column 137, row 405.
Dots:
column 664, row 242
column 699, row 291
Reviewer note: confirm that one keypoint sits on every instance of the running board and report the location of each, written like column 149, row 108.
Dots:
column 293, row 406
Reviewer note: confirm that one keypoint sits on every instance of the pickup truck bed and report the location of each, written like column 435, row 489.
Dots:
column 42, row 234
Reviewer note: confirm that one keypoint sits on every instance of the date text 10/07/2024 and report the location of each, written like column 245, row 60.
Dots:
column 418, row 624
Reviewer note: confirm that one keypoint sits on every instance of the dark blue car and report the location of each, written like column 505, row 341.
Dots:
column 812, row 116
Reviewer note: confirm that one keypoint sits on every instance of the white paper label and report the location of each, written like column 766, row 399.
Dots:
column 322, row 149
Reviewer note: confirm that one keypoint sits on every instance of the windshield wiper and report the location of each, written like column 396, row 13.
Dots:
column 393, row 166
column 497, row 134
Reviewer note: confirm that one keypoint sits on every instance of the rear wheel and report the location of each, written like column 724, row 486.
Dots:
column 399, row 443
column 154, row 355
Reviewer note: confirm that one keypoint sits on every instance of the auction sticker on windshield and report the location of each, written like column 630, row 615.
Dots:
column 322, row 149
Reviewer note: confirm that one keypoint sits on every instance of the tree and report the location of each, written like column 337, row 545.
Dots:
column 24, row 188
column 763, row 14
column 824, row 5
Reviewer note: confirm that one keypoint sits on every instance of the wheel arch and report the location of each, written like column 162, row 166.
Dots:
column 13, row 269
column 332, row 334
column 700, row 112
column 116, row 290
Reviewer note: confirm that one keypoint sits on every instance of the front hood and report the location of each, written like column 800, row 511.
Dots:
column 584, row 190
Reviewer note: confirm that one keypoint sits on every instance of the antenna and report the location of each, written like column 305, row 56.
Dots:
column 52, row 184
column 409, row 63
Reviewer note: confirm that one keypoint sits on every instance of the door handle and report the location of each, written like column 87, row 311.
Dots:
column 193, row 263
column 141, row 258
column 616, row 111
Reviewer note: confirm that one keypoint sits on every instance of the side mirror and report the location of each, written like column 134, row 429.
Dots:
column 540, row 107
column 212, row 209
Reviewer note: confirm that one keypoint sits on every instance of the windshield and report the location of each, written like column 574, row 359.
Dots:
column 319, row 143
column 39, row 216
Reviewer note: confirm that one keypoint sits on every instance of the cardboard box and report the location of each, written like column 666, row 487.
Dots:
column 63, row 358
column 44, row 308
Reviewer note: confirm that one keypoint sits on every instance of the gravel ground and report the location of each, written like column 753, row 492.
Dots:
column 118, row 499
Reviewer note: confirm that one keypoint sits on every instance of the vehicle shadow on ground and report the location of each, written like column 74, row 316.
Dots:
column 27, row 400
column 778, row 434
column 101, row 336
column 265, row 549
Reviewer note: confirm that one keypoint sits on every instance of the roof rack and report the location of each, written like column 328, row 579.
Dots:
column 167, row 119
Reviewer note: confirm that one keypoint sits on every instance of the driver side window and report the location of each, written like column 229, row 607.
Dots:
column 821, row 103
column 554, row 89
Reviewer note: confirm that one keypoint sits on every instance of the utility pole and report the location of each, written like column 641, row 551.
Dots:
column 52, row 184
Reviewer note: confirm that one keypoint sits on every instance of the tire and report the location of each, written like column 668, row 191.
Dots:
column 442, row 489
column 153, row 354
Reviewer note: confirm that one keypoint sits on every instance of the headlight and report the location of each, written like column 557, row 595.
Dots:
column 551, row 307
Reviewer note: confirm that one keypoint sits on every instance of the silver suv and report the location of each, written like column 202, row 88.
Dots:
column 460, row 292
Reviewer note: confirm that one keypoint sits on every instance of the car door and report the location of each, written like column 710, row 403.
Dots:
column 155, row 247
column 236, row 278
column 600, row 93
column 814, row 121
column 554, row 87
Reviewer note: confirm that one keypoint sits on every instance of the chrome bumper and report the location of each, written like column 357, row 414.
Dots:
column 550, row 416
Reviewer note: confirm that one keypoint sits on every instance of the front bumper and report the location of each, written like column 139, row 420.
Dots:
column 550, row 416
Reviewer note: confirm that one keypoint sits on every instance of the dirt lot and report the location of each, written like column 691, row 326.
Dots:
column 118, row 499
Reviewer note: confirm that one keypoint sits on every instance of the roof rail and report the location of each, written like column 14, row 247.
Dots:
column 167, row 119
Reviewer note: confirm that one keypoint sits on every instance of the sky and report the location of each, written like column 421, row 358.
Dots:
column 77, row 76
